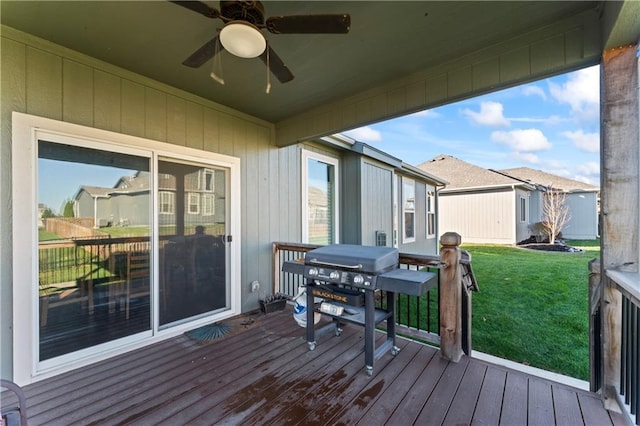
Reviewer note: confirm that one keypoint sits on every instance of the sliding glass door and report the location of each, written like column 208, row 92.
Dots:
column 192, row 216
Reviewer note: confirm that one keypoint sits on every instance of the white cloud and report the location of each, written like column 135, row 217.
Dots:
column 590, row 168
column 532, row 90
column 581, row 91
column 587, row 179
column 525, row 157
column 365, row 134
column 589, row 142
column 522, row 140
column 491, row 114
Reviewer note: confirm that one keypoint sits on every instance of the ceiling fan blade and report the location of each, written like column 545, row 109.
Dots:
column 202, row 55
column 309, row 24
column 199, row 7
column 275, row 64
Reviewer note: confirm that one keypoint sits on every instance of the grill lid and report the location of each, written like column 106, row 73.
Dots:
column 369, row 259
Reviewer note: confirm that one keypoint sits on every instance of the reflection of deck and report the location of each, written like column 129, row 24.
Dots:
column 265, row 374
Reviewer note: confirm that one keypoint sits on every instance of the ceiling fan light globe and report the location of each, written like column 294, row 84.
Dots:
column 242, row 39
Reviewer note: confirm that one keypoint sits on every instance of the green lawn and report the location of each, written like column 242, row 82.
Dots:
column 532, row 306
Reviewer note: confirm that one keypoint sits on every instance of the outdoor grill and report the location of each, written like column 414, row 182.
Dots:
column 346, row 277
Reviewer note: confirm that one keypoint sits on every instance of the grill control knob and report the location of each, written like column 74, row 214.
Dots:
column 313, row 272
column 334, row 275
column 358, row 279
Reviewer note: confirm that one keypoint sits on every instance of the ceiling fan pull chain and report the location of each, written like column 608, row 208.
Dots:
column 268, row 71
column 217, row 63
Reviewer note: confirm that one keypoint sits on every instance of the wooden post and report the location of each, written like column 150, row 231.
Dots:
column 619, row 198
column 275, row 278
column 450, row 298
column 595, row 326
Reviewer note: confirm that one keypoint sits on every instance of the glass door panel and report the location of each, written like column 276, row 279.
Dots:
column 192, row 221
column 94, row 247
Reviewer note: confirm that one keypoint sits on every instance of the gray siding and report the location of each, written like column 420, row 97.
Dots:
column 351, row 201
column 479, row 217
column 522, row 228
column 583, row 224
column 43, row 79
column 377, row 203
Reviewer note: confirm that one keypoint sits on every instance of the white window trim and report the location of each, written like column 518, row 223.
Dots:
column 208, row 211
column 522, row 209
column 430, row 192
column 305, row 157
column 26, row 131
column 195, row 196
column 171, row 201
column 406, row 239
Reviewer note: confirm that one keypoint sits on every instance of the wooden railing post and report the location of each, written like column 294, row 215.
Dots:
column 450, row 298
column 595, row 326
column 619, row 206
column 275, row 256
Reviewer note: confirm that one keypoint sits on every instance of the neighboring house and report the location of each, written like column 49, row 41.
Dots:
column 126, row 203
column 488, row 206
column 479, row 204
column 581, row 198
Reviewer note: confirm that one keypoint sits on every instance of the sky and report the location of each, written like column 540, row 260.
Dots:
column 551, row 125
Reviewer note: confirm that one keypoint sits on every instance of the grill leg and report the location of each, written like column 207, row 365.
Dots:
column 391, row 322
column 369, row 328
column 311, row 338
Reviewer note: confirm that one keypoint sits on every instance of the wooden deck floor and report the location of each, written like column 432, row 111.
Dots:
column 264, row 374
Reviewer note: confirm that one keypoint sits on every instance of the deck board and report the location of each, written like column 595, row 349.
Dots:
column 265, row 374
column 515, row 398
column 465, row 400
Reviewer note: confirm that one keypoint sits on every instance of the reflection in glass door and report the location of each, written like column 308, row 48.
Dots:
column 94, row 252
column 192, row 232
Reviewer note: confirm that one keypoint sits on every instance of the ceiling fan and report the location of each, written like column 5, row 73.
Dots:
column 241, row 34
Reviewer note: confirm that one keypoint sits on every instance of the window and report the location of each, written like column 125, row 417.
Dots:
column 167, row 202
column 193, row 201
column 409, row 210
column 208, row 181
column 523, row 209
column 320, row 198
column 208, row 208
column 431, row 214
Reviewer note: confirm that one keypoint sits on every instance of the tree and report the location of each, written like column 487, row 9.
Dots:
column 47, row 213
column 67, row 210
column 555, row 213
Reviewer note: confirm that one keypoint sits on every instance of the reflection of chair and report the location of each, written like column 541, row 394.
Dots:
column 14, row 415
column 138, row 268
column 65, row 293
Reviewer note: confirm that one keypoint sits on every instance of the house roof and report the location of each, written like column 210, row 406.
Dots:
column 466, row 176
column 538, row 177
column 94, row 191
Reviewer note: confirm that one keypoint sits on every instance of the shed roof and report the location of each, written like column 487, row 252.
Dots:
column 466, row 176
column 538, row 177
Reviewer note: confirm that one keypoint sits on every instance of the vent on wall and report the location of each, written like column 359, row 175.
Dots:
column 381, row 238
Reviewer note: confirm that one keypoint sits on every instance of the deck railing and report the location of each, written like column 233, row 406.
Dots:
column 628, row 383
column 615, row 345
column 82, row 259
column 421, row 317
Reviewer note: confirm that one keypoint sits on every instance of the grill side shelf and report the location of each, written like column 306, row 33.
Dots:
column 405, row 281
